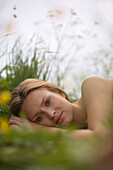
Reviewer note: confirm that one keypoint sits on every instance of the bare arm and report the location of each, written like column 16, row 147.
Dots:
column 18, row 123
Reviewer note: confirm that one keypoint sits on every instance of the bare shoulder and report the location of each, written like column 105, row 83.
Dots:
column 98, row 84
column 96, row 80
column 97, row 96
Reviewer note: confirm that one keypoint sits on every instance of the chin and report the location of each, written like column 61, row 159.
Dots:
column 66, row 123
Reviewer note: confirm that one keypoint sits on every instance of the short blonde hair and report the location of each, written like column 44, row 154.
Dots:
column 25, row 87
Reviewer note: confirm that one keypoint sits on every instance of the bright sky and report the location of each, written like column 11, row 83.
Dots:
column 29, row 12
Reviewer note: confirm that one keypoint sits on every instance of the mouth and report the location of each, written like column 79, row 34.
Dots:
column 59, row 119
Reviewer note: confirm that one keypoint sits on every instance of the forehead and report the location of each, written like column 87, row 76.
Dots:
column 36, row 93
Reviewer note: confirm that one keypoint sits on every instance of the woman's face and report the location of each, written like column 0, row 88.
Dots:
column 47, row 108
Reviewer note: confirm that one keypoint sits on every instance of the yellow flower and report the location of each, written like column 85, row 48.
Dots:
column 4, row 125
column 5, row 97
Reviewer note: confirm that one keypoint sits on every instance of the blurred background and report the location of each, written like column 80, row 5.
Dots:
column 64, row 42
column 76, row 35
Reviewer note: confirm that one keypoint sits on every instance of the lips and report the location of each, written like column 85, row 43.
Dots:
column 59, row 119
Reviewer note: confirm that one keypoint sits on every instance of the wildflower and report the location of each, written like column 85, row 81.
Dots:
column 5, row 97
column 15, row 16
column 4, row 125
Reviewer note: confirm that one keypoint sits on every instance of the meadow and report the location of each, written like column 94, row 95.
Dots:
column 28, row 149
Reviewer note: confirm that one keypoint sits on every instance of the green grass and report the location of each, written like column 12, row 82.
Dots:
column 27, row 149
column 42, row 150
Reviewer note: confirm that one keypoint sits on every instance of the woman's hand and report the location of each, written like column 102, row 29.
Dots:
column 16, row 122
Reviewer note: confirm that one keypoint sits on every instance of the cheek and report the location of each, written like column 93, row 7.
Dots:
column 59, row 102
column 63, row 103
column 47, row 122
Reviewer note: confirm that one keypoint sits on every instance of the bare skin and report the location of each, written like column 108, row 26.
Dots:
column 45, row 108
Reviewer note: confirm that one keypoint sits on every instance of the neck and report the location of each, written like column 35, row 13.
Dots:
column 79, row 113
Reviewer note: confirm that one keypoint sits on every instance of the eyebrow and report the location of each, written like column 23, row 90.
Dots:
column 40, row 105
column 42, row 101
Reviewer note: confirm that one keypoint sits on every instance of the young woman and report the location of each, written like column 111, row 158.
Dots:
column 45, row 104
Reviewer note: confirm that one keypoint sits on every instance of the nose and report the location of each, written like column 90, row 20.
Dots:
column 51, row 113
